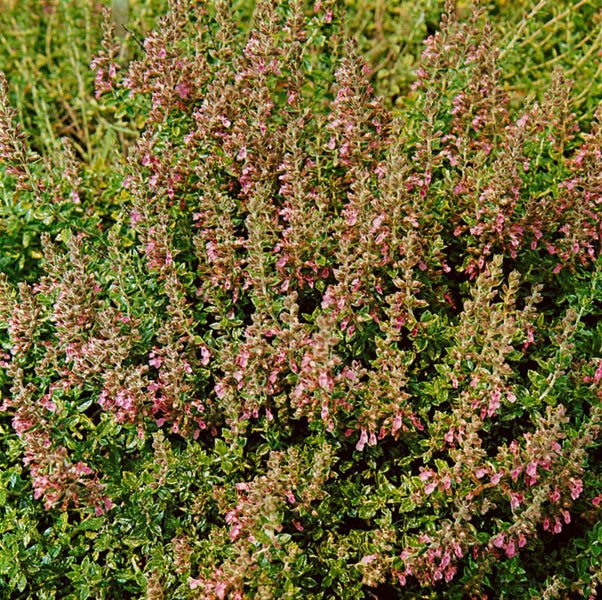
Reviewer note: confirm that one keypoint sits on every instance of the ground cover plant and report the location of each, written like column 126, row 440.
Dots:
column 320, row 320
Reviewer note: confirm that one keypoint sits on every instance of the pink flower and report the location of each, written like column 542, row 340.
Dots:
column 598, row 373
column 362, row 441
column 558, row 526
column 205, row 355
column 235, row 532
column 430, row 488
column 555, row 495
column 135, row 217
column 426, row 474
column 368, row 559
column 481, row 472
column 515, row 500
column 155, row 361
column 325, row 381
column 220, row 390
column 107, row 505
column 495, row 479
column 194, row 583
column 220, row 590
column 183, row 89
column 576, row 486
column 82, row 469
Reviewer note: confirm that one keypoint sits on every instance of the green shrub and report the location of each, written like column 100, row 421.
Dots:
column 323, row 350
column 72, row 140
column 535, row 39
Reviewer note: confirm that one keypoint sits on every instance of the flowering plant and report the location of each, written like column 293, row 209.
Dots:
column 325, row 348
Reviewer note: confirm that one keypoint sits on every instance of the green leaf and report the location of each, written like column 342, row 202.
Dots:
column 92, row 524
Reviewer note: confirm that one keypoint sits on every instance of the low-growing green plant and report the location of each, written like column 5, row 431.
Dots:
column 72, row 140
column 535, row 38
column 324, row 350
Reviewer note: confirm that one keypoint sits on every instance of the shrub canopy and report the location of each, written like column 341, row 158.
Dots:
column 288, row 337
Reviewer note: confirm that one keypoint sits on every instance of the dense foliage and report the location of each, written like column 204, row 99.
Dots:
column 269, row 333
